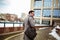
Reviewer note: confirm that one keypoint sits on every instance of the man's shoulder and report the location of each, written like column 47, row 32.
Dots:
column 30, row 17
column 26, row 18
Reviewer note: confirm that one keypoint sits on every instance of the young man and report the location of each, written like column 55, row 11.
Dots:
column 32, row 23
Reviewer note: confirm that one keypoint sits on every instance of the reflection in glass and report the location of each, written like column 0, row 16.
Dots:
column 55, row 4
column 38, row 3
column 47, row 22
column 58, row 3
column 37, row 13
column 46, row 13
column 47, row 3
column 56, row 14
column 37, row 21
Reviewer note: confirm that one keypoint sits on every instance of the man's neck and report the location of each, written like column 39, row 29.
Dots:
column 30, row 15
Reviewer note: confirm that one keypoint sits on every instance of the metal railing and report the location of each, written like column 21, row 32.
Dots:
column 10, row 24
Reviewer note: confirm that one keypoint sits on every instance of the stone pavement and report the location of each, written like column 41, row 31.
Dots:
column 42, row 34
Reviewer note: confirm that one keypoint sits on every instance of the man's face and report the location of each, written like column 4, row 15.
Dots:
column 32, row 14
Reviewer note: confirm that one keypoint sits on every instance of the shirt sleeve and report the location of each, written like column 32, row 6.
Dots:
column 31, row 20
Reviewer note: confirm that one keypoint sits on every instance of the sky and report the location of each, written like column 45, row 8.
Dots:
column 15, row 6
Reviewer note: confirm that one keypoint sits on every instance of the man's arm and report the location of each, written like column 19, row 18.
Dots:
column 32, row 23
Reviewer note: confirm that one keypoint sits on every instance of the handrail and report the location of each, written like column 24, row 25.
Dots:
column 13, row 23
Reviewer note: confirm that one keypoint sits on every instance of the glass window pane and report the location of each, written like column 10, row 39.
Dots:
column 38, row 3
column 58, row 3
column 37, row 21
column 46, row 13
column 55, row 4
column 47, row 3
column 47, row 22
column 47, row 0
column 37, row 13
column 56, row 13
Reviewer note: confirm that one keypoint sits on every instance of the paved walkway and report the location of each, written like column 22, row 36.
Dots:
column 42, row 34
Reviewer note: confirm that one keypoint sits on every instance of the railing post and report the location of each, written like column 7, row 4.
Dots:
column 4, row 24
column 13, row 24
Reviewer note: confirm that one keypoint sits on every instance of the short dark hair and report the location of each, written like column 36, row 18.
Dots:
column 31, row 11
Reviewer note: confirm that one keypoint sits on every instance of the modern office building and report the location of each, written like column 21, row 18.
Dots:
column 46, row 11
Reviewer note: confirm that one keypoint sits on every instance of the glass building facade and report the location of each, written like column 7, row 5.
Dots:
column 58, row 3
column 47, row 3
column 38, row 3
column 37, row 13
column 46, row 22
column 56, row 13
column 55, row 4
column 46, row 11
column 37, row 21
